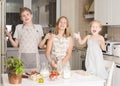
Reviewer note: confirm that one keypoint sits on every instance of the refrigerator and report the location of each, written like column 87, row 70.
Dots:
column 2, row 37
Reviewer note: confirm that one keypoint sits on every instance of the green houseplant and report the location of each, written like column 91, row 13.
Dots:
column 15, row 69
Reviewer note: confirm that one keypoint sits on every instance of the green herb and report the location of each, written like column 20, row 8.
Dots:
column 15, row 64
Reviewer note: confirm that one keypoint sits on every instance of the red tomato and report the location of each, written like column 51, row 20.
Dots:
column 52, row 76
column 55, row 73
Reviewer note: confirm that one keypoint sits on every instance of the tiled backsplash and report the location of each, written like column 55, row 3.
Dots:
column 114, row 33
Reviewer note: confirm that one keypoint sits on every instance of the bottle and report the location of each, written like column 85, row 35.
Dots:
column 44, row 70
column 59, row 66
column 66, row 71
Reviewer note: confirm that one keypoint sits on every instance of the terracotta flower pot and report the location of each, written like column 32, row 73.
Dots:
column 13, row 78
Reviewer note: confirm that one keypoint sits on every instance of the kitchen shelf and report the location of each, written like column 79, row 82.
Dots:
column 89, row 16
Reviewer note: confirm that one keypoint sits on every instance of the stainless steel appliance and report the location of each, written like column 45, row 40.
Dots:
column 116, row 50
column 109, row 47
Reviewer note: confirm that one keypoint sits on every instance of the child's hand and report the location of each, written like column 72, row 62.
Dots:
column 76, row 35
column 53, row 64
column 48, row 36
column 8, row 34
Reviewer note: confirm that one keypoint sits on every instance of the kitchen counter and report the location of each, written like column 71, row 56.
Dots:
column 13, row 49
column 79, row 48
column 14, row 52
column 78, row 78
column 112, row 58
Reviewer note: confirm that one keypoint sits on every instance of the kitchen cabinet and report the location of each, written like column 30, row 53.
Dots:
column 13, row 6
column 14, row 52
column 43, row 58
column 107, row 11
column 75, row 60
column 12, row 10
column 116, row 76
column 116, row 73
column 77, row 57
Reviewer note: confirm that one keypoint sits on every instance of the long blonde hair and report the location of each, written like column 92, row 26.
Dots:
column 67, row 32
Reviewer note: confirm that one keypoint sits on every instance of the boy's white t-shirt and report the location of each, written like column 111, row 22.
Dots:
column 28, row 37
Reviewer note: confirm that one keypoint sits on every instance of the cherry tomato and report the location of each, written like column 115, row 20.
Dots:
column 53, row 76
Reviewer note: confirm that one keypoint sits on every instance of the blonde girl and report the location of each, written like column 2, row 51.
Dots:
column 95, row 44
column 59, row 47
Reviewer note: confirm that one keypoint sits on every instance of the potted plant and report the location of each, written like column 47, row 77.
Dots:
column 15, row 70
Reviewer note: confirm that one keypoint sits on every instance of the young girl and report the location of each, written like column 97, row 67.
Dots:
column 28, row 37
column 59, row 47
column 94, row 58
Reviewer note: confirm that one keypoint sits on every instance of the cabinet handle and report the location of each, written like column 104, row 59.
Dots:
column 118, row 66
column 106, row 22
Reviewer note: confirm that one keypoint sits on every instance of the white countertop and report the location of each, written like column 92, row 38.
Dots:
column 112, row 58
column 78, row 78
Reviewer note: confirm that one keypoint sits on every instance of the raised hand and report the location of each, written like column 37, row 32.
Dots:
column 8, row 34
column 76, row 35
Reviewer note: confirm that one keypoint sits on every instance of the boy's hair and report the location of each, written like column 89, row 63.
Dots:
column 24, row 9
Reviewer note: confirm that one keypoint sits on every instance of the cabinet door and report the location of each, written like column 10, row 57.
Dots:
column 102, row 11
column 75, row 60
column 43, row 58
column 107, row 11
column 115, row 12
column 116, row 77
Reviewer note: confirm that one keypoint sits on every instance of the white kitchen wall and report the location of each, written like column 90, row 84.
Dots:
column 74, row 10
column 69, row 10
